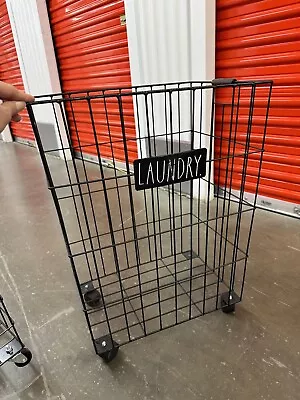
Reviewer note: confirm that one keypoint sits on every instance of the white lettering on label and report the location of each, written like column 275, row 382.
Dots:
column 150, row 170
column 172, row 169
column 140, row 183
column 188, row 167
column 197, row 162
column 163, row 173
column 178, row 167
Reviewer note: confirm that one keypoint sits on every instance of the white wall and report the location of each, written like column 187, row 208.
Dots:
column 33, row 39
column 169, row 41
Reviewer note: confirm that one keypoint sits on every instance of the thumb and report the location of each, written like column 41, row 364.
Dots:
column 7, row 110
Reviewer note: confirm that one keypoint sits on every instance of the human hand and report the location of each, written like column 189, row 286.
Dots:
column 13, row 102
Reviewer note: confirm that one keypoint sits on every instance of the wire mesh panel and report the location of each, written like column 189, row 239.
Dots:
column 155, row 233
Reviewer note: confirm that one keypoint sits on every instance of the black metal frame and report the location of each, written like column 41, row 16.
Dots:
column 11, row 345
column 148, row 260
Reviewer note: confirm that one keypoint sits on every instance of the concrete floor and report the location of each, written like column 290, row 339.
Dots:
column 253, row 354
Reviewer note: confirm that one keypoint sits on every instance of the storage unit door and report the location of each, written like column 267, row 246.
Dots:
column 10, row 71
column 92, row 51
column 261, row 40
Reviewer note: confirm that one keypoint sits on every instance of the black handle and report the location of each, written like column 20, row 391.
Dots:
column 223, row 81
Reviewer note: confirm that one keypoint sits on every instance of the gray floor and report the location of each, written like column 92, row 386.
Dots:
column 253, row 354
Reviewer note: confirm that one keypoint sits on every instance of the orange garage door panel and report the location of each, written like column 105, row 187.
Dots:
column 92, row 51
column 261, row 40
column 10, row 70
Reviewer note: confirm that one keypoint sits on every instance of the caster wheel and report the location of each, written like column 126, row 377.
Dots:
column 110, row 355
column 92, row 298
column 227, row 307
column 27, row 357
column 106, row 348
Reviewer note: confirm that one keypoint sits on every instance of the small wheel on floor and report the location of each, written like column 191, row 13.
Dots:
column 92, row 298
column 27, row 357
column 110, row 355
column 226, row 307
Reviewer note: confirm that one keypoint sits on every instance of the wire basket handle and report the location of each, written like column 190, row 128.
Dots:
column 223, row 81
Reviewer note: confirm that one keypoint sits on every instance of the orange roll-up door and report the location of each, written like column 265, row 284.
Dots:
column 10, row 71
column 92, row 51
column 261, row 40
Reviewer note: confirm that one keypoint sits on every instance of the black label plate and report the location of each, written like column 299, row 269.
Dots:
column 172, row 168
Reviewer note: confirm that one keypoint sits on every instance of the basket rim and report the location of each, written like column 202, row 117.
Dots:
column 146, row 89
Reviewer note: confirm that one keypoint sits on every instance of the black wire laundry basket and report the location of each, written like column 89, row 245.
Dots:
column 148, row 184
column 11, row 345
